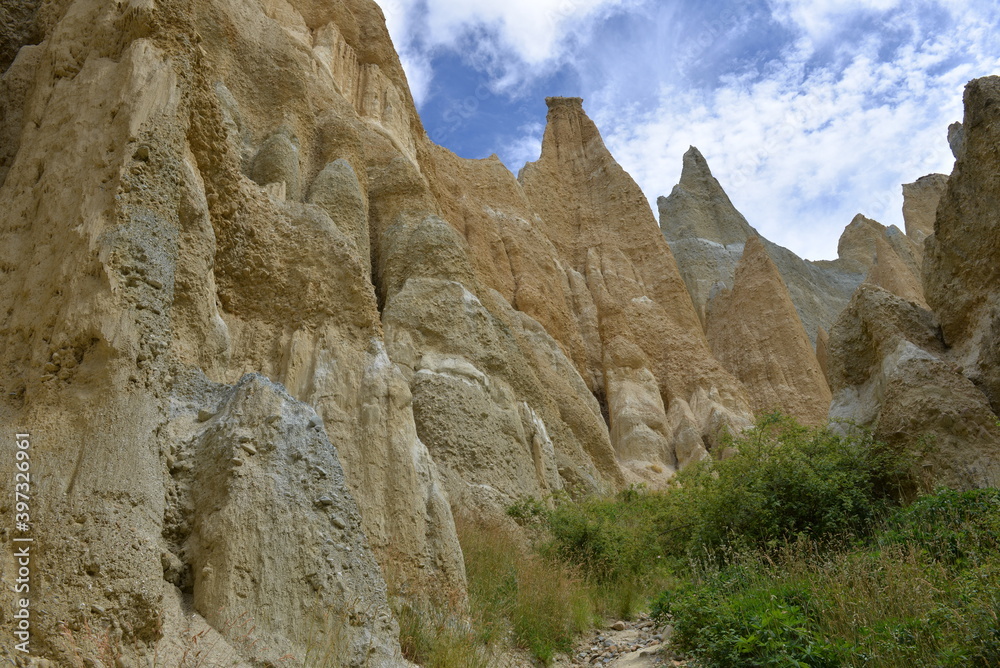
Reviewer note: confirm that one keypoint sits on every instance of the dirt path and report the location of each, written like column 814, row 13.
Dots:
column 636, row 644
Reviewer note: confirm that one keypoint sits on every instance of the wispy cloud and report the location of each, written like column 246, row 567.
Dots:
column 511, row 40
column 800, row 144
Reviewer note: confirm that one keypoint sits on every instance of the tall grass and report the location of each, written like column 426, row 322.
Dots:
column 880, row 604
column 815, row 563
column 542, row 604
column 517, row 598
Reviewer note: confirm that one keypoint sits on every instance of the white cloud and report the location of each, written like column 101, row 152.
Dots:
column 531, row 29
column 525, row 148
column 803, row 148
column 512, row 40
column 818, row 19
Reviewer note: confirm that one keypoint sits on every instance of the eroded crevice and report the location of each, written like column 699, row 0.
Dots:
column 18, row 27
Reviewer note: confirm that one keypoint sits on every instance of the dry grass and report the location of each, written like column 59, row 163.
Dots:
column 516, row 599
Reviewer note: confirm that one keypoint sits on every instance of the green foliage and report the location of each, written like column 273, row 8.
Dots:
column 919, row 592
column 723, row 624
column 609, row 538
column 537, row 601
column 789, row 480
column 786, row 481
column 961, row 529
column 794, row 553
column 527, row 510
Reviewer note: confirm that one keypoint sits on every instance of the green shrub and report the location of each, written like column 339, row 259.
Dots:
column 617, row 543
column 961, row 529
column 724, row 623
column 789, row 480
column 919, row 591
column 611, row 539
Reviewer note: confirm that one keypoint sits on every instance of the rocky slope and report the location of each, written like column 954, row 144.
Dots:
column 926, row 373
column 268, row 339
column 920, row 203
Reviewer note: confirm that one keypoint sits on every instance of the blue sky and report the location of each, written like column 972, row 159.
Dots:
column 808, row 111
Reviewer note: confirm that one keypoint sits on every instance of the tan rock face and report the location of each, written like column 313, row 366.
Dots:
column 756, row 333
column 920, row 375
column 259, row 484
column 602, row 228
column 859, row 246
column 890, row 370
column 698, row 207
column 891, row 272
column 18, row 26
column 165, row 259
column 267, row 337
column 823, row 353
column 920, row 203
column 962, row 259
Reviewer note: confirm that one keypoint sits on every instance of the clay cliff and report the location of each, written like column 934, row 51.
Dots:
column 920, row 203
column 667, row 397
column 269, row 340
column 925, row 373
column 743, row 301
column 756, row 333
column 707, row 235
column 960, row 268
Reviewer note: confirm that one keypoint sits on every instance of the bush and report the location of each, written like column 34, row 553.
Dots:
column 961, row 529
column 611, row 539
column 789, row 480
column 919, row 591
column 724, row 623
column 616, row 543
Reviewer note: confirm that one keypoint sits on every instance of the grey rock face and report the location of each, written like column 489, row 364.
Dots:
column 265, row 522
column 707, row 235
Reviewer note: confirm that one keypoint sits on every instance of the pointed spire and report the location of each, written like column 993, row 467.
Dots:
column 699, row 208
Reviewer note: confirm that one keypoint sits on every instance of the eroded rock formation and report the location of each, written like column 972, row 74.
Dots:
column 890, row 370
column 252, row 192
column 707, row 235
column 756, row 333
column 961, row 267
column 660, row 380
column 928, row 377
column 268, row 339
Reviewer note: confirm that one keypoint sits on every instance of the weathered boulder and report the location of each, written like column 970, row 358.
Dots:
column 889, row 370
